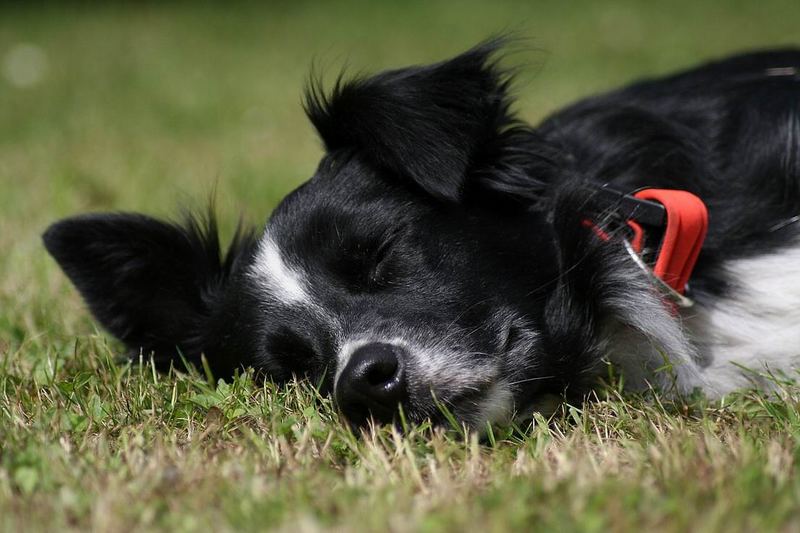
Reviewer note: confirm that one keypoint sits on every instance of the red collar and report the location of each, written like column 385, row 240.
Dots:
column 670, row 225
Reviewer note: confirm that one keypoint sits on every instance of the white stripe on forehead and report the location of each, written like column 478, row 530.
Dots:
column 279, row 279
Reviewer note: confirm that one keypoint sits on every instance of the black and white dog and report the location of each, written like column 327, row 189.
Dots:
column 441, row 253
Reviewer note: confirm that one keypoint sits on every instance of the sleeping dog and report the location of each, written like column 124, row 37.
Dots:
column 446, row 253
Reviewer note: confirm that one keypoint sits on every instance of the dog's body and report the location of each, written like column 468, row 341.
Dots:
column 439, row 256
column 730, row 133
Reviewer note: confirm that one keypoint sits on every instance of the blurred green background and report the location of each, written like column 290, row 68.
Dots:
column 147, row 106
column 142, row 106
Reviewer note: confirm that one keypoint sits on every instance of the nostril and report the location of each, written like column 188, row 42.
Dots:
column 372, row 383
column 374, row 365
column 380, row 372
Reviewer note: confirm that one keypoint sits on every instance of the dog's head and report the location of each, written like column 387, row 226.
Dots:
column 423, row 265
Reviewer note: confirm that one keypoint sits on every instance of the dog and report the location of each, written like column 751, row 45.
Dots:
column 446, row 254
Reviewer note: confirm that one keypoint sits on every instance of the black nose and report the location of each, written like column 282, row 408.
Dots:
column 372, row 383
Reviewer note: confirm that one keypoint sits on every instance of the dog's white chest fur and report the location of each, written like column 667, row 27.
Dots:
column 734, row 342
column 756, row 327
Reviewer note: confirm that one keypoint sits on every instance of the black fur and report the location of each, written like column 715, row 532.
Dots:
column 156, row 286
column 436, row 125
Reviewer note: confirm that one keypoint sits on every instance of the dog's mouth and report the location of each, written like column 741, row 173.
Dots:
column 393, row 381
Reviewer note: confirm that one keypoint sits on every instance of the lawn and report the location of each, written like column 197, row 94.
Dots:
column 147, row 107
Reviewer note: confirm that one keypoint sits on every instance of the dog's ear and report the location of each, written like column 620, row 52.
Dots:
column 434, row 125
column 154, row 285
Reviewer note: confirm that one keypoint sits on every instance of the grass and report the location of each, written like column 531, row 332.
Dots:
column 142, row 107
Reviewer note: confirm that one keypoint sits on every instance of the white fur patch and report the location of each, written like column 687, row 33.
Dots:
column 496, row 407
column 757, row 326
column 276, row 277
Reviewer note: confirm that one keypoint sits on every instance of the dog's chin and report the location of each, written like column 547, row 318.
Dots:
column 495, row 407
column 475, row 410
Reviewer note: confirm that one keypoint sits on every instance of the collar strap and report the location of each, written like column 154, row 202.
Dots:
column 672, row 224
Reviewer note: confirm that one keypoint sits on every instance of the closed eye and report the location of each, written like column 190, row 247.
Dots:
column 380, row 273
column 366, row 264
